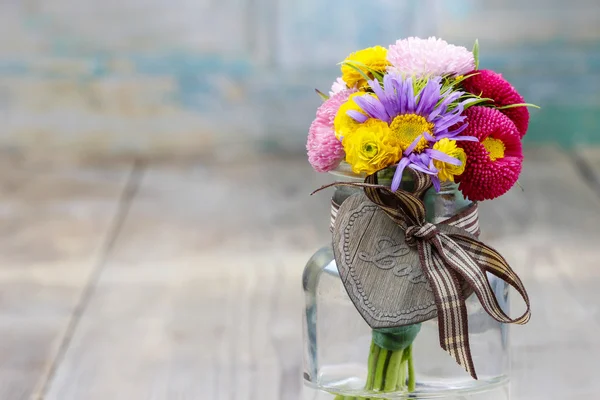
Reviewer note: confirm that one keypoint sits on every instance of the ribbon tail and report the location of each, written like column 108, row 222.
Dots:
column 452, row 311
column 489, row 260
column 460, row 261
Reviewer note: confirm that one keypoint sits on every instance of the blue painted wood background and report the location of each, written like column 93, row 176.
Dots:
column 228, row 76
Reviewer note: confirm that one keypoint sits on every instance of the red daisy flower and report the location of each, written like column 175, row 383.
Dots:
column 494, row 162
column 491, row 85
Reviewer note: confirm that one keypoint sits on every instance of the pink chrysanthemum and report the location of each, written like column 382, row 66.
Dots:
column 491, row 85
column 324, row 150
column 429, row 57
column 494, row 163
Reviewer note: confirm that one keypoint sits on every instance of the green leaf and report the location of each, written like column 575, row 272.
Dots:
column 476, row 53
column 376, row 74
column 419, row 84
column 479, row 101
column 519, row 185
column 462, row 78
column 519, row 105
column 357, row 69
column 323, row 96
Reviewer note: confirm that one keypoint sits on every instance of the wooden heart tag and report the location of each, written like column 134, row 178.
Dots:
column 380, row 272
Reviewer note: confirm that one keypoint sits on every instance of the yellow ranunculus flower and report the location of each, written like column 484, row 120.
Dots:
column 343, row 124
column 372, row 57
column 370, row 147
column 447, row 171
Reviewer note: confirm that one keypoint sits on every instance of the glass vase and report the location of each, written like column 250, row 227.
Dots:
column 338, row 342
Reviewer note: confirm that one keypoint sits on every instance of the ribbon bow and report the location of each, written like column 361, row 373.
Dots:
column 449, row 257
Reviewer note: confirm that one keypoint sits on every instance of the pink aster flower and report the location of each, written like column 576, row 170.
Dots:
column 324, row 150
column 491, row 85
column 427, row 57
column 494, row 162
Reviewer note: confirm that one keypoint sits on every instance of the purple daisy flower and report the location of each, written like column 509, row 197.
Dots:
column 416, row 120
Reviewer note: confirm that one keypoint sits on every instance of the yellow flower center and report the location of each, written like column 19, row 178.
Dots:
column 369, row 150
column 405, row 129
column 495, row 147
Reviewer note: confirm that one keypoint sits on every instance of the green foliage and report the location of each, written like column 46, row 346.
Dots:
column 519, row 105
column 451, row 84
column 357, row 69
column 361, row 68
column 323, row 96
column 419, row 84
column 476, row 53
column 459, row 80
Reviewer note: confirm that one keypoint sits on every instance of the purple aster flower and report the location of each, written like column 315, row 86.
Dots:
column 416, row 120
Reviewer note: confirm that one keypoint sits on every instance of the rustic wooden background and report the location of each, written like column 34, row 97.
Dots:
column 148, row 280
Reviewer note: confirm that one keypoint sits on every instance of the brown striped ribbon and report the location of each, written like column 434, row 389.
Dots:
column 447, row 260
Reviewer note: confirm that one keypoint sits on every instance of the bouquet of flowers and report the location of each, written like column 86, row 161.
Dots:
column 425, row 105
column 422, row 104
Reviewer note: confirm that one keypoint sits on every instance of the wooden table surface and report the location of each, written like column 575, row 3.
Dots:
column 181, row 280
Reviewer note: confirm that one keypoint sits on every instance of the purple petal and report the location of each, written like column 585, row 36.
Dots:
column 436, row 183
column 397, row 179
column 374, row 84
column 431, row 167
column 422, row 169
column 373, row 107
column 403, row 96
column 447, row 121
column 429, row 96
column 466, row 138
column 412, row 146
column 409, row 93
column 392, row 100
column 398, row 85
column 423, row 163
column 357, row 116
column 460, row 107
column 428, row 137
column 420, row 158
column 441, row 109
column 458, row 130
column 438, row 155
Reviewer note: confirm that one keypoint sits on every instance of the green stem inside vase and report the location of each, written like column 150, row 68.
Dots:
column 391, row 366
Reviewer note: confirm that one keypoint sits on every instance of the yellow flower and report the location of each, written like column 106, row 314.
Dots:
column 371, row 147
column 372, row 57
column 343, row 124
column 447, row 171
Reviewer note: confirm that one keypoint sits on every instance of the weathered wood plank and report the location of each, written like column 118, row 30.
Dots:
column 543, row 232
column 201, row 296
column 590, row 155
column 53, row 220
column 185, row 318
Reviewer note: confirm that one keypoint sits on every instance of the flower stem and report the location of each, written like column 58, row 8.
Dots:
column 402, row 376
column 411, row 370
column 391, row 379
column 380, row 370
column 373, row 357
